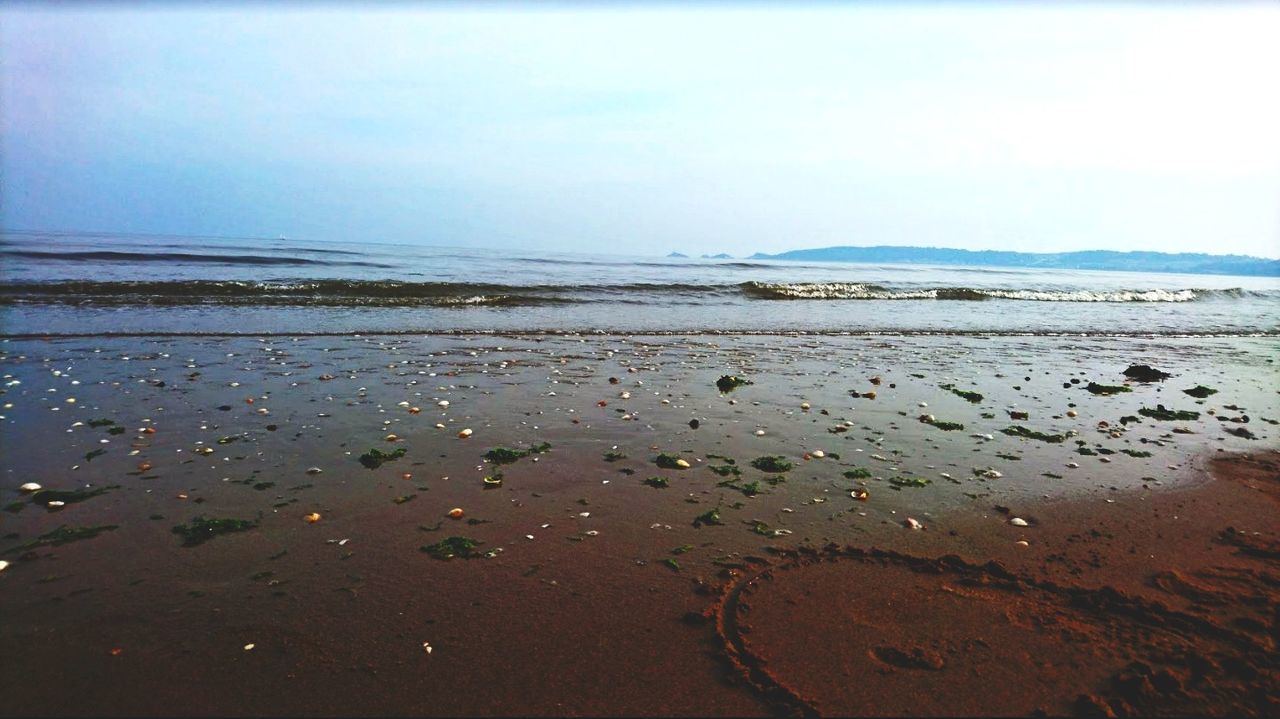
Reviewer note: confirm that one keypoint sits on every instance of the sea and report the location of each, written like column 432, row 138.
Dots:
column 79, row 283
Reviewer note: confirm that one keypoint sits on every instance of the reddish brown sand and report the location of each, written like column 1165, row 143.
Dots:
column 1158, row 605
column 1148, row 582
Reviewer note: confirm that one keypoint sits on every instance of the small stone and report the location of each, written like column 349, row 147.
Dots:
column 464, row 433
column 1072, row 413
column 30, row 487
column 442, row 403
column 391, row 438
column 314, row 470
column 910, row 523
column 1022, row 543
column 804, row 406
column 819, row 454
column 312, row 518
column 456, row 512
column 1018, row 522
column 759, row 432
column 249, row 647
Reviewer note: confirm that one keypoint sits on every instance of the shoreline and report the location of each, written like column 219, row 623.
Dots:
column 637, row 599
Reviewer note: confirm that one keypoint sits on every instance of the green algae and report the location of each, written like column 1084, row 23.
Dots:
column 772, row 463
column 708, row 517
column 658, row 482
column 725, row 470
column 857, row 473
column 612, row 456
column 88, row 457
column 451, row 547
column 375, row 457
column 1200, row 391
column 670, row 461
column 201, row 530
column 506, row 455
column 969, row 395
column 673, row 564
column 729, row 382
column 1168, row 415
column 1106, row 389
column 1020, row 431
column 1135, row 452
column 943, row 425
column 63, row 535
column 683, row 548
column 900, row 482
column 70, row 496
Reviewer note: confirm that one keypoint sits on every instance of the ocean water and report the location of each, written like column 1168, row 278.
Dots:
column 79, row 283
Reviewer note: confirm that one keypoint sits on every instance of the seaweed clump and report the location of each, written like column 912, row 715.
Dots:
column 63, row 535
column 730, row 382
column 1200, row 391
column 375, row 457
column 772, row 463
column 708, row 517
column 658, row 482
column 941, row 424
column 451, row 547
column 1168, row 415
column 506, row 455
column 1020, row 431
column 969, row 395
column 671, row 461
column 201, row 530
column 1106, row 389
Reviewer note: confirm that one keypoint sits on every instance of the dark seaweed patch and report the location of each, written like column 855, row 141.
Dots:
column 201, row 530
column 451, row 547
column 1106, row 389
column 375, row 457
column 658, row 482
column 708, row 517
column 1020, row 431
column 857, row 473
column 1200, row 391
column 669, row 461
column 772, row 463
column 965, row 394
column 1168, row 415
column 63, row 535
column 729, row 382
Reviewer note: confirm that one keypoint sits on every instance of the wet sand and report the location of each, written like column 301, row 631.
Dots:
column 1147, row 584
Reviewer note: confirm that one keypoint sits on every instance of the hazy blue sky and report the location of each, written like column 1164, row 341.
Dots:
column 646, row 128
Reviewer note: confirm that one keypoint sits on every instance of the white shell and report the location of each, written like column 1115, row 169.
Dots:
column 30, row 487
column 3, row 565
column 314, row 470
column 1018, row 522
column 910, row 523
column 465, row 433
column 818, row 453
column 759, row 432
column 442, row 403
column 804, row 405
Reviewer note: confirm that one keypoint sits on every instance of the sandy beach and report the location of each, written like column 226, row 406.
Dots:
column 870, row 525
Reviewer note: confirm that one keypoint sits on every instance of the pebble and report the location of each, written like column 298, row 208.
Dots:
column 1072, row 413
column 56, row 504
column 312, row 518
column 442, row 403
column 804, row 405
column 910, row 523
column 314, row 470
column 464, row 433
column 819, row 454
column 456, row 512
column 1018, row 522
column 759, row 432
column 249, row 647
column 30, row 487
column 3, row 565
column 1022, row 543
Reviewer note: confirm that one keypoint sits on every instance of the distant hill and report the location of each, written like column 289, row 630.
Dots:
column 678, row 255
column 1188, row 263
column 721, row 256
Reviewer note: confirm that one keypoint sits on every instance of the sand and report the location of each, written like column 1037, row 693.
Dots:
column 1144, row 584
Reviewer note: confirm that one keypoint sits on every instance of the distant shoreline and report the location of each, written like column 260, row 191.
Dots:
column 1106, row 260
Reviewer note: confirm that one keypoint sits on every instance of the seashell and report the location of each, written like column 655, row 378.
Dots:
column 1073, row 465
column 56, row 504
column 3, row 565
column 402, row 404
column 924, row 404
column 314, row 470
column 859, row 494
column 249, row 647
column 312, row 518
column 682, row 464
column 391, row 438
column 456, row 512
column 415, row 410
column 1072, row 413
column 442, row 403
column 30, row 487
column 625, row 395
column 759, row 432
column 819, row 454
column 910, row 523
column 464, row 433
column 804, row 405
column 439, row 426
column 1022, row 543
column 1018, row 522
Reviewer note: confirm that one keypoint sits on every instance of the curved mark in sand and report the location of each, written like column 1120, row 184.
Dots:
column 1139, row 655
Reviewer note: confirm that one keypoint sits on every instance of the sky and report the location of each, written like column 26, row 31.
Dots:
column 646, row 128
